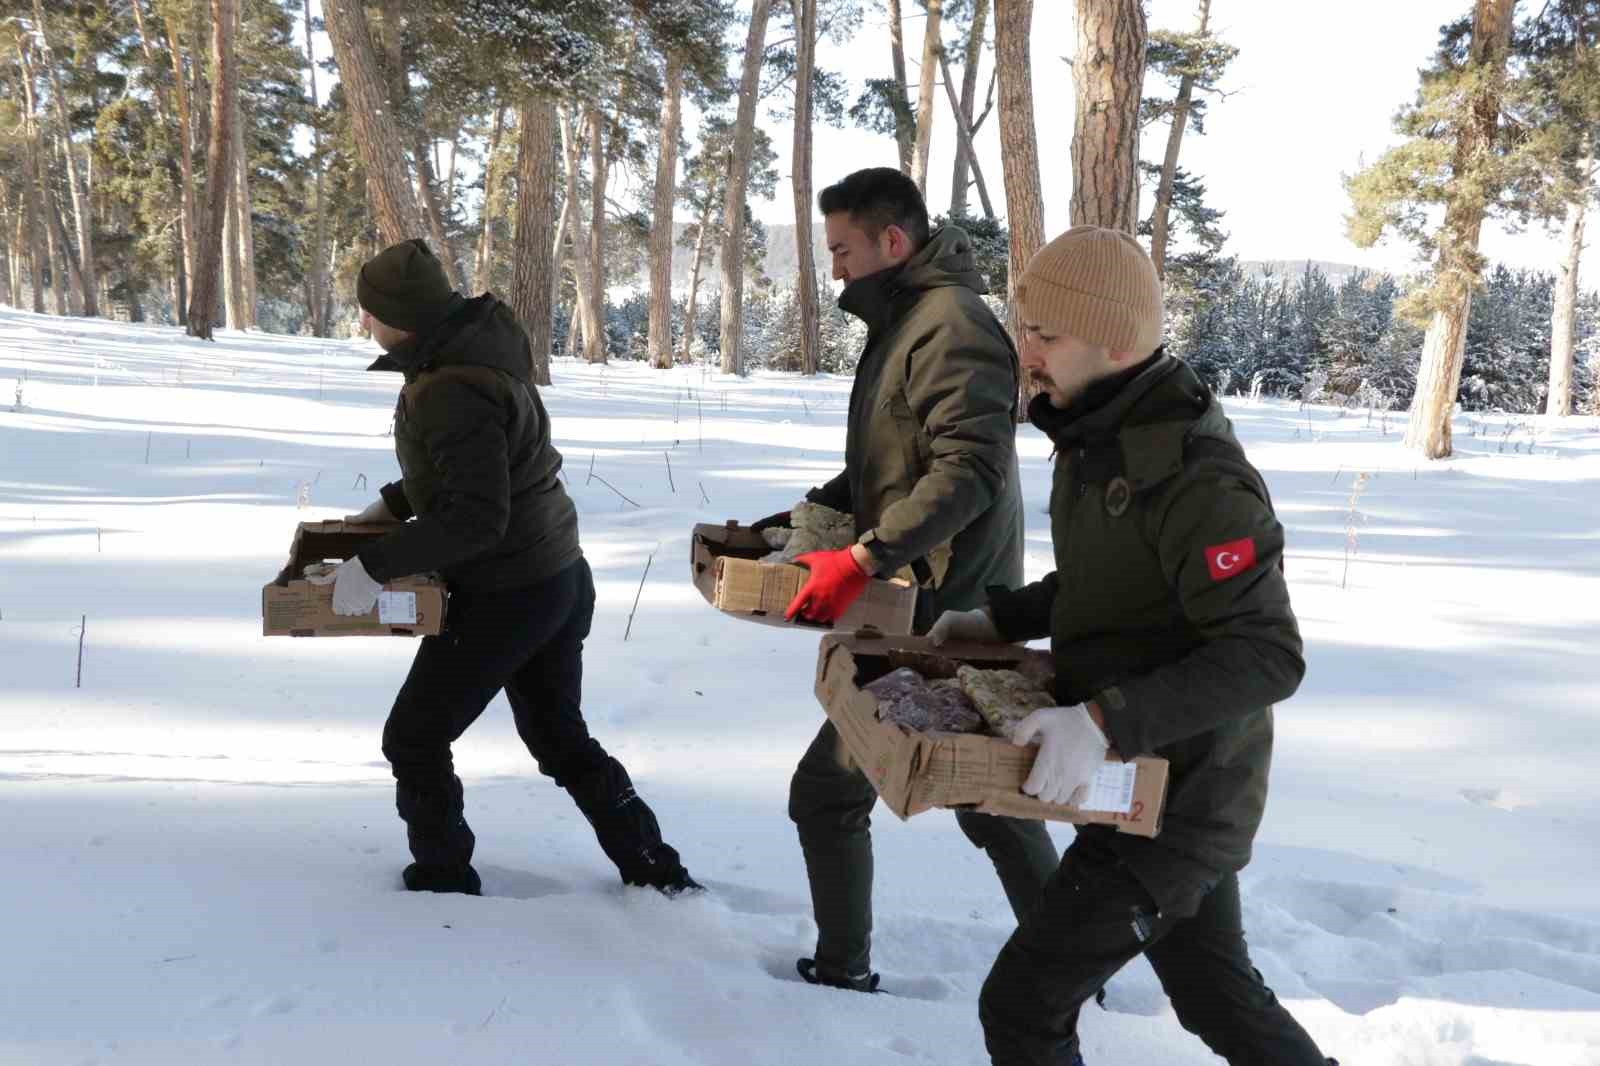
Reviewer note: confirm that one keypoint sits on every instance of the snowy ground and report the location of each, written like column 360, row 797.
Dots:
column 201, row 856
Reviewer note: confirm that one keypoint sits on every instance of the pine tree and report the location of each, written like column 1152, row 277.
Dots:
column 77, row 174
column 1019, row 154
column 1196, row 62
column 376, row 128
column 1562, row 45
column 203, row 309
column 932, row 51
column 968, row 122
column 738, row 163
column 1461, row 156
column 1107, row 78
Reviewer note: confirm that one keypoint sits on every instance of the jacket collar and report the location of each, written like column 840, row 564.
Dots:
column 414, row 353
column 947, row 259
column 1100, row 412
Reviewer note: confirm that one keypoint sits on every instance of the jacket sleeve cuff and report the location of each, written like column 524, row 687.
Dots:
column 394, row 498
column 1016, row 614
column 372, row 559
column 1125, row 739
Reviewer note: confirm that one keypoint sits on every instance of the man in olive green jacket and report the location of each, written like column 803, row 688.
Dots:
column 931, row 478
column 1170, row 626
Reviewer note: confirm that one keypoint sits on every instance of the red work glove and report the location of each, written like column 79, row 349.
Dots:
column 835, row 582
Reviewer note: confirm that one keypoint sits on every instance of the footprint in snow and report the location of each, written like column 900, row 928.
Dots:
column 519, row 884
column 275, row 1005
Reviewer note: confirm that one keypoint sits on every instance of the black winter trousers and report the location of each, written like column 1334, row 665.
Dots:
column 1094, row 918
column 528, row 641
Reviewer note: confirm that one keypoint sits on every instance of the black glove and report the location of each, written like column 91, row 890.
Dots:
column 781, row 519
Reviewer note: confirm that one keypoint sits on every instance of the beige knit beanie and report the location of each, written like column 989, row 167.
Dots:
column 1097, row 285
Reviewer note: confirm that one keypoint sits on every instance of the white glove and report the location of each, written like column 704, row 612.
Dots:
column 375, row 513
column 976, row 625
column 354, row 591
column 1071, row 749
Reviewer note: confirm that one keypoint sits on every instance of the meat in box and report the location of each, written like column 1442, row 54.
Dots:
column 915, row 771
column 291, row 606
column 725, row 565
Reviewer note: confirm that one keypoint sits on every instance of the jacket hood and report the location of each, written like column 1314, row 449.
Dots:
column 481, row 331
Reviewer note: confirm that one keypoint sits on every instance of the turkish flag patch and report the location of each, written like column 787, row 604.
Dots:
column 1231, row 559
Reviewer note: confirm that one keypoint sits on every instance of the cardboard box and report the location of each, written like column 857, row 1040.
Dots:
column 724, row 564
column 915, row 771
column 291, row 606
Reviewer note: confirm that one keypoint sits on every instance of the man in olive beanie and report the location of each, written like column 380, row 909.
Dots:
column 480, row 501
column 1170, row 626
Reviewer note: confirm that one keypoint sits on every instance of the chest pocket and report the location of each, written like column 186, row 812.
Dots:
column 1111, row 564
column 913, row 453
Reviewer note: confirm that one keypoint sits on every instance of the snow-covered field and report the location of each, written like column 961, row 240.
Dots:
column 199, row 857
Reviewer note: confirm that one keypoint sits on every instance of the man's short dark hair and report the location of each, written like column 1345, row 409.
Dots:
column 876, row 198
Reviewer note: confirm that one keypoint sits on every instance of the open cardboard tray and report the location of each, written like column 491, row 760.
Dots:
column 914, row 772
column 292, row 606
column 723, row 562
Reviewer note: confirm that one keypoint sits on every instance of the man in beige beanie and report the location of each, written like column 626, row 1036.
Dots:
column 1170, row 625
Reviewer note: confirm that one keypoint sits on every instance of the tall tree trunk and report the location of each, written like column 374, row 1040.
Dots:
column 661, row 223
column 246, row 217
column 8, row 247
column 316, row 273
column 1564, row 316
column 690, row 327
column 964, row 140
column 1169, row 163
column 450, row 172
column 1439, row 375
column 82, row 208
column 1107, row 79
column 181, row 190
column 905, row 134
column 1019, row 157
column 178, row 287
column 32, row 213
column 394, row 205
column 233, row 287
column 54, row 239
column 71, row 278
column 588, row 312
column 10, row 262
column 187, row 218
column 560, row 259
column 219, row 165
column 483, row 262
column 932, row 52
column 531, row 256
column 595, row 348
column 800, row 178
column 232, row 249
column 959, row 176
column 732, row 331
column 421, row 154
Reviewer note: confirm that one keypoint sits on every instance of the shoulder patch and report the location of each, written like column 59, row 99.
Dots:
column 1231, row 558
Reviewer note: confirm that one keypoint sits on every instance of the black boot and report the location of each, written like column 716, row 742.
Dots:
column 865, row 981
column 419, row 877
column 660, row 869
column 627, row 830
column 680, row 884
